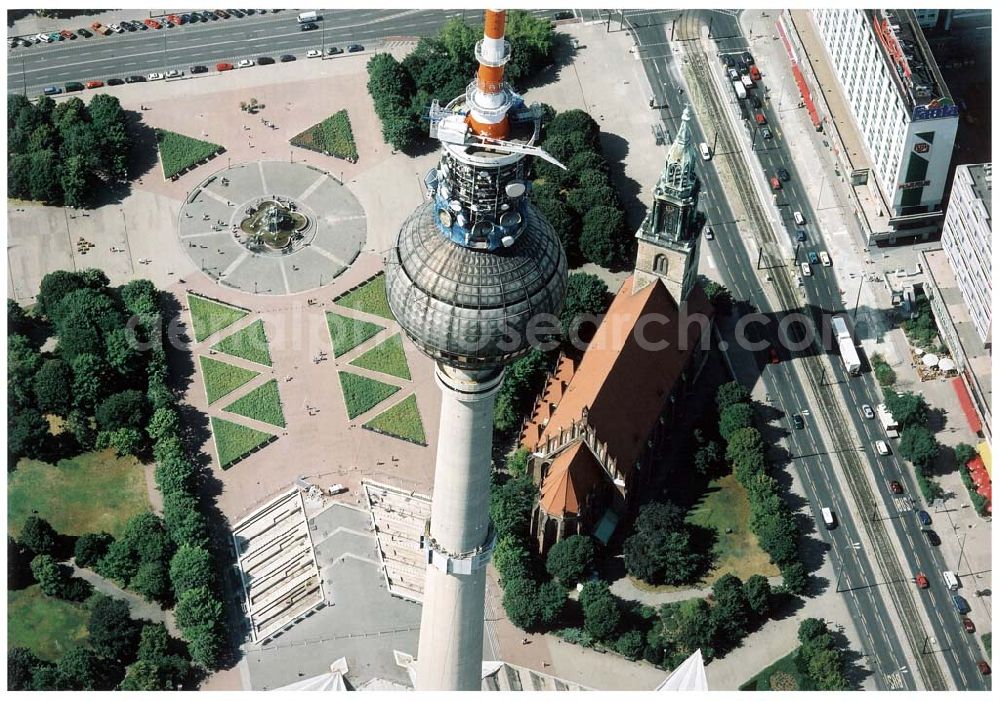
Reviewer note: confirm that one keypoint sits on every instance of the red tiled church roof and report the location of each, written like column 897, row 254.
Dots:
column 571, row 477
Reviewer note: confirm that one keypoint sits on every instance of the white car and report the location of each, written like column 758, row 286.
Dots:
column 44, row 37
column 806, row 270
column 709, row 234
column 154, row 76
column 116, row 28
column 825, row 258
column 244, row 63
column 174, row 74
column 866, row 409
column 314, row 53
column 882, row 448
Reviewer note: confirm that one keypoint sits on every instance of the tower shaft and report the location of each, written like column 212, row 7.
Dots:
column 459, row 542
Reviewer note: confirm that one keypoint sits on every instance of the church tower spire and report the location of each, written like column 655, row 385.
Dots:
column 668, row 249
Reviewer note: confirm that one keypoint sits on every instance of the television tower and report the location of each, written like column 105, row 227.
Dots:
column 471, row 268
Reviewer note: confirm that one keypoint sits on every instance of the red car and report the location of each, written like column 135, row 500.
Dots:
column 223, row 67
column 969, row 626
column 774, row 356
column 984, row 667
column 921, row 580
column 175, row 20
column 66, row 34
column 94, row 83
column 760, row 118
column 895, row 487
column 775, row 183
column 152, row 23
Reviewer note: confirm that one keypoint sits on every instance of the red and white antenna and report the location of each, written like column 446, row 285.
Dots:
column 489, row 97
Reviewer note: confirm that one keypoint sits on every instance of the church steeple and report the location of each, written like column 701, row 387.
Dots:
column 667, row 249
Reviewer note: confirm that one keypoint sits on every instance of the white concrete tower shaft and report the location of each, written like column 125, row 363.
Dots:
column 460, row 541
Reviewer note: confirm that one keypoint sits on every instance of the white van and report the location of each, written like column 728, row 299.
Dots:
column 310, row 16
column 806, row 270
column 824, row 258
column 799, row 219
column 828, row 518
column 882, row 447
column 950, row 579
column 706, row 152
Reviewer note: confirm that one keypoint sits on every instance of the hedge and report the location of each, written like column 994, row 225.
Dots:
column 179, row 153
column 333, row 137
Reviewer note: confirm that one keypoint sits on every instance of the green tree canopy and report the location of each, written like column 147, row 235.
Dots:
column 602, row 235
column 122, row 410
column 521, row 602
column 730, row 615
column 511, row 559
column 570, row 558
column 918, row 445
column 733, row 418
column 551, row 602
column 21, row 666
column 510, row 506
column 91, row 547
column 758, row 594
column 191, row 568
column 52, row 385
column 586, row 296
column 39, row 536
column 601, row 613
column 687, row 627
column 731, row 393
column 907, row 408
column 27, row 434
column 184, row 521
column 112, row 632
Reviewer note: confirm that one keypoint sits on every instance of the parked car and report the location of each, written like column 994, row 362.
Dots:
column 244, row 63
column 747, row 58
column 175, row 19
column 760, row 118
column 806, row 270
column 52, row 90
column 755, row 101
column 798, row 421
column 825, row 259
column 563, row 14
column 766, row 133
column 115, row 81
column 56, row 36
column 924, row 518
column 921, row 580
column 197, row 17
column 116, row 28
column 235, row 13
column 211, row 15
column 94, row 84
column 74, row 86
column 813, row 258
column 66, row 34
column 84, row 33
column 867, row 410
column 222, row 14
column 799, row 219
column 984, row 668
column 932, row 537
column 136, row 79
column 783, row 174
column 131, row 26
column 152, row 23
column 154, row 76
column 773, row 354
column 308, row 26
column 223, row 67
column 969, row 626
column 961, row 605
column 895, row 487
column 728, row 60
column 264, row 60
column 285, row 58
column 186, row 17
column 313, row 53
column 174, row 73
column 334, row 50
column 775, row 183
column 800, row 235
column 709, row 233
column 354, row 48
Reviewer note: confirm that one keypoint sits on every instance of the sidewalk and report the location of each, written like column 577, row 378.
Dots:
column 139, row 607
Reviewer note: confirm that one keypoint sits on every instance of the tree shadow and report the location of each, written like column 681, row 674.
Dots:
column 563, row 53
column 854, row 669
column 937, row 419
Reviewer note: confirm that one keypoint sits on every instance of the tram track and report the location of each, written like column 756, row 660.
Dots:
column 701, row 88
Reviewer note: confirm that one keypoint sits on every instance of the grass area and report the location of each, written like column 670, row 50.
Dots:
column 987, row 639
column 783, row 675
column 725, row 506
column 369, row 298
column 347, row 333
column 387, row 357
column 362, row 393
column 402, row 421
column 332, row 136
column 262, row 404
column 249, row 343
column 45, row 625
column 222, row 378
column 234, row 441
column 208, row 316
column 179, row 153
column 88, row 493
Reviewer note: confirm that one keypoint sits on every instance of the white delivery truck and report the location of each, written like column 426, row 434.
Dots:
column 747, row 82
column 845, row 342
column 828, row 518
column 310, row 16
column 741, row 92
column 950, row 579
column 706, row 152
column 887, row 421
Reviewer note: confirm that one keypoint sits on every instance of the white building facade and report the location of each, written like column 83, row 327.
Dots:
column 966, row 241
column 900, row 105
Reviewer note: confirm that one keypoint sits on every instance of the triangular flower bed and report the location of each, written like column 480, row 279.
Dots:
column 249, row 343
column 386, row 357
column 362, row 393
column 347, row 333
column 222, row 378
column 261, row 404
column 208, row 316
column 400, row 421
column 233, row 441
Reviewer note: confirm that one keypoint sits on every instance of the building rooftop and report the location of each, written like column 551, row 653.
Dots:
column 982, row 183
column 569, row 480
column 904, row 48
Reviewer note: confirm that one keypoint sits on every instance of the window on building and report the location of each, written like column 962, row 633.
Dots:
column 660, row 264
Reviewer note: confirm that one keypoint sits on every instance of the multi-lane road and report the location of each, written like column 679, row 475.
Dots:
column 873, row 583
column 30, row 70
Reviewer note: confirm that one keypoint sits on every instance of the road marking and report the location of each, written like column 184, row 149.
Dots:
column 263, row 180
column 218, row 198
column 323, row 252
column 201, row 234
column 284, row 277
column 312, row 188
column 234, row 265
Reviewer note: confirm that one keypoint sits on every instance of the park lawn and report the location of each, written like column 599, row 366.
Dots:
column 222, row 378
column 347, row 333
column 783, row 675
column 333, row 136
column 45, row 625
column 249, row 343
column 179, row 152
column 87, row 493
column 387, row 357
column 262, row 404
column 369, row 298
column 235, row 441
column 402, row 421
column 362, row 393
column 208, row 316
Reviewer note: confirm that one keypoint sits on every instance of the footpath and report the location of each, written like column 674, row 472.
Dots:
column 139, row 607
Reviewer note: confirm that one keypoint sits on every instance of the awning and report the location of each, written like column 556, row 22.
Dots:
column 606, row 527
column 986, row 454
column 966, row 401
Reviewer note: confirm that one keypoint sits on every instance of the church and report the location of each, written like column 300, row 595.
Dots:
column 599, row 429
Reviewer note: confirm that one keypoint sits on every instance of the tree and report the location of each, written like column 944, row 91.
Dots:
column 184, row 522
column 122, row 410
column 143, row 539
column 531, row 40
column 775, row 530
column 564, row 221
column 82, row 428
column 733, row 418
column 521, row 383
column 907, row 408
column 575, row 122
column 152, row 581
column 570, row 558
column 85, row 671
column 586, row 297
column 707, row 457
column 156, row 648
column 594, row 191
column 54, row 287
column 140, row 297
column 660, row 548
column 731, row 393
column 143, row 676
column 811, row 629
column 52, row 387
column 91, row 547
column 602, row 234
column 918, row 445
column 730, row 614
column 795, row 577
column 21, row 666
column 826, row 668
column 963, row 453
column 686, row 625
column 630, row 644
column 52, row 577
column 39, row 536
column 27, row 434
column 82, row 320
column 90, row 381
column 191, row 568
column 601, row 613
column 164, row 422
column 520, row 602
column 511, row 504
column 551, row 602
column 18, row 565
column 121, row 351
column 124, row 441
column 43, row 176
column 518, row 462
column 17, row 321
column 48, row 678
column 23, row 362
column 511, row 559
column 112, row 632
column 758, row 594
column 744, row 444
column 199, row 616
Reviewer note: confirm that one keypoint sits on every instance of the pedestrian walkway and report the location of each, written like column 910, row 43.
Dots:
column 139, row 607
